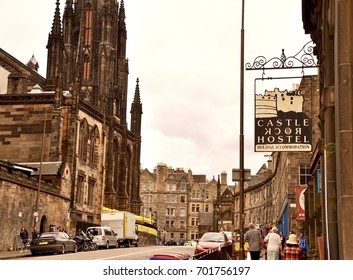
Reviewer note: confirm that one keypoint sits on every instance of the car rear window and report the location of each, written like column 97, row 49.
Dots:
column 213, row 237
column 97, row 231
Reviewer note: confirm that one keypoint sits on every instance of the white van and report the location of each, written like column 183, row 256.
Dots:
column 104, row 237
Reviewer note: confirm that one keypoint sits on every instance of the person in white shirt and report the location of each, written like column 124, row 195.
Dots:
column 273, row 241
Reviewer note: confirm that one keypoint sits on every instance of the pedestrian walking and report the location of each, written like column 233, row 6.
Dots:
column 253, row 237
column 292, row 250
column 274, row 245
column 24, row 238
column 35, row 233
column 303, row 244
column 283, row 243
column 283, row 239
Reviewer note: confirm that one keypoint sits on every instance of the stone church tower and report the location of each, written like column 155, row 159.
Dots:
column 79, row 109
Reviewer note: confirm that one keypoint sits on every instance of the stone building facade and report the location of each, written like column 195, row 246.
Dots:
column 77, row 114
column 183, row 204
column 223, row 207
column 258, row 204
column 18, row 196
column 329, row 24
column 294, row 168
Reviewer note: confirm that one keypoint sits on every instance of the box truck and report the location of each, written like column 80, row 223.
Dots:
column 123, row 224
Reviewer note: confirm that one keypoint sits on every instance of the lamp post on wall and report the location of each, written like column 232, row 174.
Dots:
column 36, row 214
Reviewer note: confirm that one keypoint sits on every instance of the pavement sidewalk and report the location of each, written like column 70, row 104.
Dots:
column 6, row 255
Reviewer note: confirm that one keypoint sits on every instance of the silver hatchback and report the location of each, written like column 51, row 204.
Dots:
column 104, row 237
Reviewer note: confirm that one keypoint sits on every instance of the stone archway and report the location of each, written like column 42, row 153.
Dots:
column 42, row 225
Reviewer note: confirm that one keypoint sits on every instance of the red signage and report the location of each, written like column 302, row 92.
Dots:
column 300, row 202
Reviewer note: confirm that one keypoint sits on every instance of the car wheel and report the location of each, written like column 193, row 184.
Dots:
column 62, row 249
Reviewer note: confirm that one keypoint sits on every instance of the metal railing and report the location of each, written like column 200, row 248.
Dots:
column 224, row 254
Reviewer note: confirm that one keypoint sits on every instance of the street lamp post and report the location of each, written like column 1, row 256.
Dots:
column 36, row 214
column 241, row 137
column 239, row 175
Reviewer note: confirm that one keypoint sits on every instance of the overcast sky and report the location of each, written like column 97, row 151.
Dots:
column 186, row 54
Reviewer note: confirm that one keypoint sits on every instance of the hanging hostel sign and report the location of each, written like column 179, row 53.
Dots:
column 280, row 123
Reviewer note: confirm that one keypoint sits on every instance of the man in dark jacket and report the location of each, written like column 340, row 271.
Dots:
column 35, row 233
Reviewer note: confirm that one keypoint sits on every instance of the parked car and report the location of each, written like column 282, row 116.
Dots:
column 104, row 237
column 170, row 256
column 229, row 235
column 211, row 241
column 53, row 242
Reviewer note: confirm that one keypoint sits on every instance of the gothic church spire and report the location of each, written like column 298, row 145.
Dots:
column 122, row 33
column 55, row 48
column 136, row 111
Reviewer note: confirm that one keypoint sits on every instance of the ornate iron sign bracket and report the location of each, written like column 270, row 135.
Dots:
column 271, row 79
column 303, row 59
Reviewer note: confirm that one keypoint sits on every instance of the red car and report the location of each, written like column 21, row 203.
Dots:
column 170, row 256
column 212, row 241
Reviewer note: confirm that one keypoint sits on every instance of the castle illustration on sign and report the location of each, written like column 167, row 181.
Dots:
column 268, row 105
column 280, row 122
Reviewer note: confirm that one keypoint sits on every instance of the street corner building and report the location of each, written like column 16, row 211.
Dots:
column 66, row 148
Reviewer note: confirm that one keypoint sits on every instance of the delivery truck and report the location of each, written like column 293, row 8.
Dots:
column 123, row 224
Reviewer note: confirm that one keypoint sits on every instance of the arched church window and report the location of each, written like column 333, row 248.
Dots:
column 80, row 189
column 94, row 146
column 116, row 163
column 88, row 25
column 83, row 140
column 88, row 43
column 86, row 67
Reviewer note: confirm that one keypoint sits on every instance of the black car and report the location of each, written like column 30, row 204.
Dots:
column 53, row 242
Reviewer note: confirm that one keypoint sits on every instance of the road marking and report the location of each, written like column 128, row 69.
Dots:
column 139, row 252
